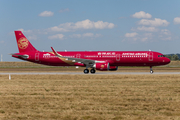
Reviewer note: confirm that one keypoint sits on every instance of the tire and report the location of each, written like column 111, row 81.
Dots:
column 151, row 71
column 93, row 71
column 86, row 71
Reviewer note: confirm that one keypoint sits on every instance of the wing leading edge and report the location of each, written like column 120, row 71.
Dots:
column 79, row 60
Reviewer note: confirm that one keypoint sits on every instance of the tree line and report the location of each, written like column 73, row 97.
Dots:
column 174, row 57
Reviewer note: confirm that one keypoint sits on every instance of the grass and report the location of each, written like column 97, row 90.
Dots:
column 90, row 97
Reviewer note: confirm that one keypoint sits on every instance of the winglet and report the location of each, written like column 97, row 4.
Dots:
column 55, row 53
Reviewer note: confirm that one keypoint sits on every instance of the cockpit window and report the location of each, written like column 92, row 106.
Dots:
column 161, row 56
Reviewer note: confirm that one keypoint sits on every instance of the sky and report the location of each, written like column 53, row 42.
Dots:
column 95, row 25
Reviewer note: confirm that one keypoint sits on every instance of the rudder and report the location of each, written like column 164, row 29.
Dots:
column 23, row 43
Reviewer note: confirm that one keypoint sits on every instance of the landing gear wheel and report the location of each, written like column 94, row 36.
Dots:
column 93, row 71
column 86, row 71
column 151, row 71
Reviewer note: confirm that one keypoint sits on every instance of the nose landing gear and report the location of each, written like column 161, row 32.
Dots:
column 151, row 70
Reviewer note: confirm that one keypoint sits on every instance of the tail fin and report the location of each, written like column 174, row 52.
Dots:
column 23, row 43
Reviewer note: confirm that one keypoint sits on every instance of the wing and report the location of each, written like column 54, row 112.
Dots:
column 84, row 61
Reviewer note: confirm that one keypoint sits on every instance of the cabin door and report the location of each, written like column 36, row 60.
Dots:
column 150, row 56
column 36, row 56
column 78, row 55
column 117, row 57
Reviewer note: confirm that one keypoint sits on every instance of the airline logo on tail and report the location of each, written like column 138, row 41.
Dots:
column 23, row 43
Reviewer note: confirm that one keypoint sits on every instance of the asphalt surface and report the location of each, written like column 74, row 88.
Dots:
column 81, row 73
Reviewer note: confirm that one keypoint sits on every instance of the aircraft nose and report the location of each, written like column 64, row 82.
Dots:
column 167, row 60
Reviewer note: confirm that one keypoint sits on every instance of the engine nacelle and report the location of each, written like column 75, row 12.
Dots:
column 101, row 66
column 113, row 68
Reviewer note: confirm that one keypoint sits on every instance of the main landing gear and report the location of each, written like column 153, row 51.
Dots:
column 86, row 71
column 93, row 71
column 151, row 70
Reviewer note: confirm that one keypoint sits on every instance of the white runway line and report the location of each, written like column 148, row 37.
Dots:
column 81, row 73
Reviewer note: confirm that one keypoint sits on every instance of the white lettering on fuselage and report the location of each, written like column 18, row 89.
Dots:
column 134, row 54
column 106, row 53
column 47, row 55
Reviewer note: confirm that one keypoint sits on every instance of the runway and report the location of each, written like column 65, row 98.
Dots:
column 81, row 73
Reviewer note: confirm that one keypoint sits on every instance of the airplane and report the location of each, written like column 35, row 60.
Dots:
column 96, row 60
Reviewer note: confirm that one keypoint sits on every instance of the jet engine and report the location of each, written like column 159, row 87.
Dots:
column 105, row 67
column 101, row 66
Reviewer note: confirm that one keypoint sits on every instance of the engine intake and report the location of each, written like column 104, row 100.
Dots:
column 104, row 67
column 101, row 66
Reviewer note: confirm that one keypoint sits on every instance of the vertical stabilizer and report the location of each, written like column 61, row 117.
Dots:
column 23, row 43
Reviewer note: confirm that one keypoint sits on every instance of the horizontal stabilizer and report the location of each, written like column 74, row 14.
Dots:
column 23, row 56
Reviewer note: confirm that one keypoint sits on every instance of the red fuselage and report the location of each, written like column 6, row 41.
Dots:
column 114, row 58
column 99, row 60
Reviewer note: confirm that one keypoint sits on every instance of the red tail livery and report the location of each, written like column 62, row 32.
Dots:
column 23, row 43
column 96, row 60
